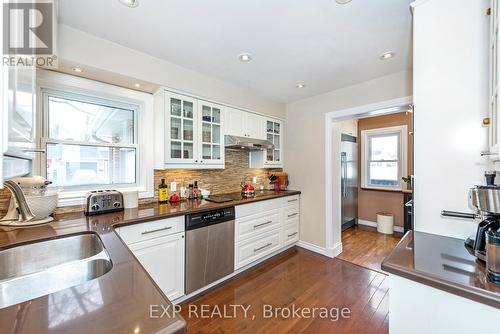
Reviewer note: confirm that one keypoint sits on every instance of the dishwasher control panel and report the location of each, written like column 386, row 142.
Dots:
column 208, row 218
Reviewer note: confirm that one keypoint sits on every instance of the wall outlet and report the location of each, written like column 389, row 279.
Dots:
column 254, row 179
column 173, row 186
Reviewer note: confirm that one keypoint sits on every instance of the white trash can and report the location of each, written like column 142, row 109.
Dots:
column 385, row 222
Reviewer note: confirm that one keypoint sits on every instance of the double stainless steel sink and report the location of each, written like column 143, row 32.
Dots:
column 36, row 269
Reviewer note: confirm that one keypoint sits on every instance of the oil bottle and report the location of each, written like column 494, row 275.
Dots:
column 163, row 192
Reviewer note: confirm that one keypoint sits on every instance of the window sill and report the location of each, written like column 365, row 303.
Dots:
column 71, row 198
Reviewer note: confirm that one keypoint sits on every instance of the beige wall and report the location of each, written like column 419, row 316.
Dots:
column 305, row 143
column 372, row 201
column 81, row 48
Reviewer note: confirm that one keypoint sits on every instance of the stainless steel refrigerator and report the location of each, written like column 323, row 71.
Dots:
column 349, row 181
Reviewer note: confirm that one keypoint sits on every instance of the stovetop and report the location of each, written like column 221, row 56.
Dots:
column 237, row 196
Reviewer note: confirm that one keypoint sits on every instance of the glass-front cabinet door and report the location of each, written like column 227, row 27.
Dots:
column 212, row 146
column 274, row 135
column 181, row 143
column 494, row 124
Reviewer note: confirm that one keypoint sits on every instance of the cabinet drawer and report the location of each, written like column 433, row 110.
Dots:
column 291, row 232
column 151, row 230
column 252, row 208
column 291, row 200
column 253, row 249
column 291, row 212
column 251, row 226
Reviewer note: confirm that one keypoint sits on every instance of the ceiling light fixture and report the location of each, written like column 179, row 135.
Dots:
column 245, row 57
column 342, row 2
column 137, row 85
column 130, row 3
column 77, row 69
column 387, row 55
column 300, row 85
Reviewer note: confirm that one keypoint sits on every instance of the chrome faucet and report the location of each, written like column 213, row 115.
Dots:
column 23, row 208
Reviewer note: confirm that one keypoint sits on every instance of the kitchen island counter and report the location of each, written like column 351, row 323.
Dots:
column 443, row 263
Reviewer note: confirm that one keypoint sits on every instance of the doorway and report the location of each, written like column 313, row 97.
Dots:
column 369, row 159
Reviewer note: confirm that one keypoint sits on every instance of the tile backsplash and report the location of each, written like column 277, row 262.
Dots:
column 218, row 181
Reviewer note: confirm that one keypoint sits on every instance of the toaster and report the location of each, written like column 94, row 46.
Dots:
column 103, row 201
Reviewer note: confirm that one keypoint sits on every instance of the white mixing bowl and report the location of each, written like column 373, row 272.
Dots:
column 42, row 206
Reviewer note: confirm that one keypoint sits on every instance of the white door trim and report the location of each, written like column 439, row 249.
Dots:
column 332, row 182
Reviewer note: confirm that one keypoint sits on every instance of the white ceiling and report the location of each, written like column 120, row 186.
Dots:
column 316, row 42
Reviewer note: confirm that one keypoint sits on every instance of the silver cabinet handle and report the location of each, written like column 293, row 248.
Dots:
column 34, row 150
column 261, row 248
column 291, row 235
column 266, row 223
column 157, row 230
column 293, row 215
column 292, row 200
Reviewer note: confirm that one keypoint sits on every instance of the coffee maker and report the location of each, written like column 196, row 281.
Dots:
column 486, row 201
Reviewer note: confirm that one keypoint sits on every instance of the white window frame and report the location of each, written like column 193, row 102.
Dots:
column 402, row 132
column 64, row 85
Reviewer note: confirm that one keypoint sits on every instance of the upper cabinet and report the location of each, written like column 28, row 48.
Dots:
column 18, row 140
column 494, row 103
column 20, row 102
column 193, row 132
column 271, row 158
column 190, row 133
column 245, row 124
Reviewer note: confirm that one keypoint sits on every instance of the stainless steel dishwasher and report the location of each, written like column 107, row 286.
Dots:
column 209, row 247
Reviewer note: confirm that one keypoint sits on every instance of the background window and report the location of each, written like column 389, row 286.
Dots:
column 89, row 141
column 383, row 157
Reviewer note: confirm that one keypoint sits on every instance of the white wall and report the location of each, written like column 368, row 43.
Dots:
column 450, row 96
column 305, row 143
column 78, row 47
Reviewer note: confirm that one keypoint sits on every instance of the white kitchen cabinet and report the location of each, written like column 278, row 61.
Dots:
column 494, row 102
column 163, row 259
column 271, row 158
column 21, row 101
column 211, row 134
column 245, row 124
column 193, row 132
column 264, row 227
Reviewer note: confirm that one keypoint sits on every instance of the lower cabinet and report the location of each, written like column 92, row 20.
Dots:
column 160, row 253
column 163, row 259
column 273, row 227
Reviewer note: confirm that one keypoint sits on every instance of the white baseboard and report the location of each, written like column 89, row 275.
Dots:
column 374, row 224
column 330, row 252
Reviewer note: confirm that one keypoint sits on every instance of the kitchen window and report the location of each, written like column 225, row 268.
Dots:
column 95, row 136
column 384, row 158
column 89, row 141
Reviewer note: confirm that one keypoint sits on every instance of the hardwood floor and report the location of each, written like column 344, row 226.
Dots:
column 297, row 278
column 366, row 247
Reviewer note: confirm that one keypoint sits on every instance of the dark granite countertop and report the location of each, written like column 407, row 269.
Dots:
column 117, row 302
column 443, row 263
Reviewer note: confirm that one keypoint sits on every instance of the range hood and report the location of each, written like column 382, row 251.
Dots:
column 245, row 143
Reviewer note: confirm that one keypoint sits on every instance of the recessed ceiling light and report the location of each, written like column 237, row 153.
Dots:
column 77, row 69
column 130, row 3
column 137, row 85
column 387, row 55
column 301, row 85
column 245, row 57
column 342, row 2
